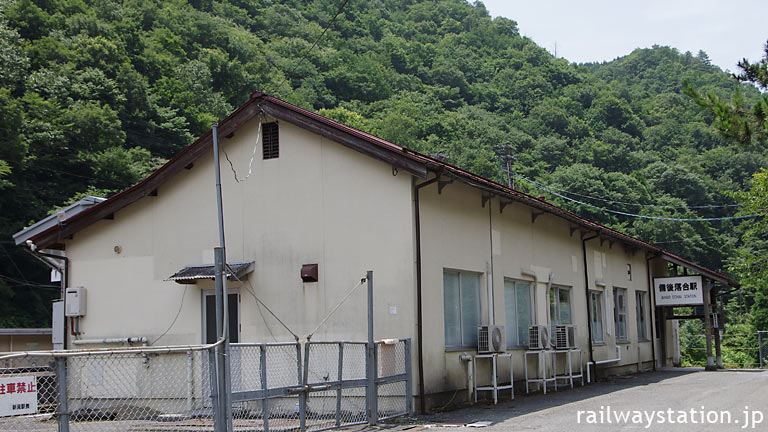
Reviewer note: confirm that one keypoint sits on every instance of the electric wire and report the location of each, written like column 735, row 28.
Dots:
column 253, row 157
column 251, row 291
column 303, row 55
column 609, row 201
column 673, row 219
column 174, row 319
column 338, row 305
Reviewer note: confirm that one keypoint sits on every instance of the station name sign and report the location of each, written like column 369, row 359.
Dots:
column 679, row 291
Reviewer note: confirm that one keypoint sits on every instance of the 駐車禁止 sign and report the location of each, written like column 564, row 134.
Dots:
column 679, row 291
column 18, row 395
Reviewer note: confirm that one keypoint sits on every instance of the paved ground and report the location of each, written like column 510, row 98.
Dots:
column 655, row 401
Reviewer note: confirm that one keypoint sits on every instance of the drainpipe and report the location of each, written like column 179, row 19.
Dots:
column 652, row 295
column 419, row 315
column 586, row 293
column 470, row 376
column 491, row 311
column 63, row 269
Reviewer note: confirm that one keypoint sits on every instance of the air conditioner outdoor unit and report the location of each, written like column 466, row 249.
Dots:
column 491, row 339
column 565, row 336
column 538, row 337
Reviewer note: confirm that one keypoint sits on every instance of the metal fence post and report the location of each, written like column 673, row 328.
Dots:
column 340, row 377
column 303, row 381
column 409, row 378
column 370, row 364
column 218, row 419
column 61, row 387
column 760, row 354
column 265, row 401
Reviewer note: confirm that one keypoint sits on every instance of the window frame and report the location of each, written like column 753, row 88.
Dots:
column 553, row 321
column 514, row 329
column 642, row 316
column 597, row 316
column 463, row 345
column 617, row 313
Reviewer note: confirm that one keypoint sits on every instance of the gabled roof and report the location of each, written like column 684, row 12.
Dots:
column 400, row 157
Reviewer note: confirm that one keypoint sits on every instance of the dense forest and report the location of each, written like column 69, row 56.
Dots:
column 94, row 95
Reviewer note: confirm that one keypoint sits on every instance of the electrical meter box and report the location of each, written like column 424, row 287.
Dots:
column 75, row 302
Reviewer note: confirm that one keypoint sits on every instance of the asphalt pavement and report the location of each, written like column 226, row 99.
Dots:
column 667, row 400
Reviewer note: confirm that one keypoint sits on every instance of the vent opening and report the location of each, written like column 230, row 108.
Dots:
column 270, row 140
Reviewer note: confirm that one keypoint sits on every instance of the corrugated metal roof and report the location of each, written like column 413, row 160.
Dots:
column 60, row 217
column 190, row 274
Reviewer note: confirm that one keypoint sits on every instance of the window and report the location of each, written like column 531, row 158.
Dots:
column 517, row 303
column 629, row 272
column 270, row 140
column 210, row 317
column 642, row 320
column 620, row 313
column 461, row 300
column 596, row 315
column 559, row 306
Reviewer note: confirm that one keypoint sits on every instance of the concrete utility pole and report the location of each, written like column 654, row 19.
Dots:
column 222, row 316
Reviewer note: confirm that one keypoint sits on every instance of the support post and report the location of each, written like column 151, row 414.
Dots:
column 409, row 378
column 371, row 393
column 213, row 376
column 708, row 327
column 61, row 384
column 716, row 312
column 760, row 349
column 264, row 385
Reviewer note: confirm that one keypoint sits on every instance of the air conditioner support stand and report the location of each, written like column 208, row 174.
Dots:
column 494, row 387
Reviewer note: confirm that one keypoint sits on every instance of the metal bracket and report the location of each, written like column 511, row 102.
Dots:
column 534, row 215
column 486, row 198
column 573, row 230
column 504, row 203
column 602, row 240
column 443, row 183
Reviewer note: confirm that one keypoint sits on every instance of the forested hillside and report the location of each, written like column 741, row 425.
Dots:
column 96, row 94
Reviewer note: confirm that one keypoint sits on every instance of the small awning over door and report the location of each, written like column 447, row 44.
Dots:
column 191, row 274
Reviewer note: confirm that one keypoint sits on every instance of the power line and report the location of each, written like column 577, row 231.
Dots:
column 181, row 305
column 608, row 201
column 540, row 186
column 308, row 50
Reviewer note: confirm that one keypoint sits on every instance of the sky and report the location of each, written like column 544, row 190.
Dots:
column 601, row 30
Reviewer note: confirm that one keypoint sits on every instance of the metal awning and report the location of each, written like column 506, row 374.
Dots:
column 191, row 274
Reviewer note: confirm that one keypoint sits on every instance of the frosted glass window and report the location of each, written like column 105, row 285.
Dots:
column 461, row 301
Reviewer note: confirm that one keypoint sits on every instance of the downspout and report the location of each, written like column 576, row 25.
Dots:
column 64, row 270
column 491, row 311
column 652, row 295
column 419, row 315
column 586, row 293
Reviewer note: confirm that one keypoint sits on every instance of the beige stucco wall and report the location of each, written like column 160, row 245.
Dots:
column 10, row 343
column 319, row 202
column 455, row 235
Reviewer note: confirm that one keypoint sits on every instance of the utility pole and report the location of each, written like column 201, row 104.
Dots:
column 507, row 158
column 222, row 302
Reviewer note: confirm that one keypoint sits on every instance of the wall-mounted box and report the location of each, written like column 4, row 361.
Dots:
column 75, row 301
column 309, row 273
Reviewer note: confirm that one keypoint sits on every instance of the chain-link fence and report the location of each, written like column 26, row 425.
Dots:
column 170, row 389
column 762, row 348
